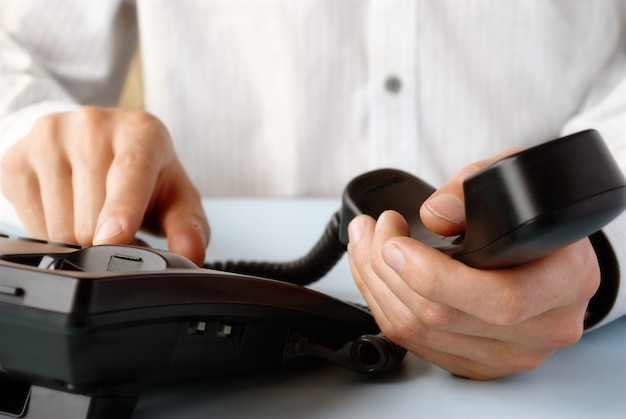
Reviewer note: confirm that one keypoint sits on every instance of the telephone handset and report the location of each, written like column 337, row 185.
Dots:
column 83, row 329
column 519, row 208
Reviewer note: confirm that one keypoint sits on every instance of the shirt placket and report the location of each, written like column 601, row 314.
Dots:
column 392, row 60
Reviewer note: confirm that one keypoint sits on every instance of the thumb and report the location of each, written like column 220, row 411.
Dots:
column 188, row 235
column 444, row 211
column 183, row 221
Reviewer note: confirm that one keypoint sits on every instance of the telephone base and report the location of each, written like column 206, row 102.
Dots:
column 34, row 402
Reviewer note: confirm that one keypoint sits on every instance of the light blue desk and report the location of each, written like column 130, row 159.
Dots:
column 587, row 380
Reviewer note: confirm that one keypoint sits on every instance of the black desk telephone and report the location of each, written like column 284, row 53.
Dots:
column 83, row 329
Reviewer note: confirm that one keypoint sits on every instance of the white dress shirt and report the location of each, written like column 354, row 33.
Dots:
column 293, row 98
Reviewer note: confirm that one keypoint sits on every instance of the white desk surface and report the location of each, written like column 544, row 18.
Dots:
column 587, row 380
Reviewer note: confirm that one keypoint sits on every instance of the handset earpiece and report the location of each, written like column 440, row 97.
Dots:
column 518, row 209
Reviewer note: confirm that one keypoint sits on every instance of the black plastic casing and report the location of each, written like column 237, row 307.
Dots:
column 518, row 209
column 79, row 331
column 534, row 202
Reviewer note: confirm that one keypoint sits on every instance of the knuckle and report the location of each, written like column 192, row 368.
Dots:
column 11, row 166
column 513, row 314
column 142, row 118
column 567, row 335
column 428, row 285
column 13, row 185
column 511, row 308
column 44, row 138
column 564, row 339
column 146, row 122
column 407, row 330
column 579, row 275
column 16, row 176
column 151, row 144
column 45, row 126
column 436, row 316
column 137, row 160
column 88, row 119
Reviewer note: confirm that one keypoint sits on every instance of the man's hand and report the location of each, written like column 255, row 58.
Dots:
column 479, row 324
column 95, row 176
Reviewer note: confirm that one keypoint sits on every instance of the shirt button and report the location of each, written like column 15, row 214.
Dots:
column 393, row 84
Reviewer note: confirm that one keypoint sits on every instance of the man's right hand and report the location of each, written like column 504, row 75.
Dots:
column 94, row 176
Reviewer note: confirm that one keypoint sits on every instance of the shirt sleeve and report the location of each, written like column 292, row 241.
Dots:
column 605, row 111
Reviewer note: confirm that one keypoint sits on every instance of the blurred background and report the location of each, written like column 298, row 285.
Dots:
column 132, row 95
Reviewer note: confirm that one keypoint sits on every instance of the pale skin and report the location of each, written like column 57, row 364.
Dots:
column 478, row 324
column 95, row 176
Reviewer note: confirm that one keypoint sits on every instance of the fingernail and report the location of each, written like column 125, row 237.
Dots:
column 393, row 257
column 110, row 228
column 356, row 228
column 447, row 207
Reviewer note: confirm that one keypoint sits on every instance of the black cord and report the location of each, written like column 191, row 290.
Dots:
column 368, row 354
column 304, row 271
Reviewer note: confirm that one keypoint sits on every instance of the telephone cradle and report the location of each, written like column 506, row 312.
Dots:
column 83, row 329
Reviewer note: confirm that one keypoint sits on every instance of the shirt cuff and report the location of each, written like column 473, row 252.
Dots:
column 609, row 302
